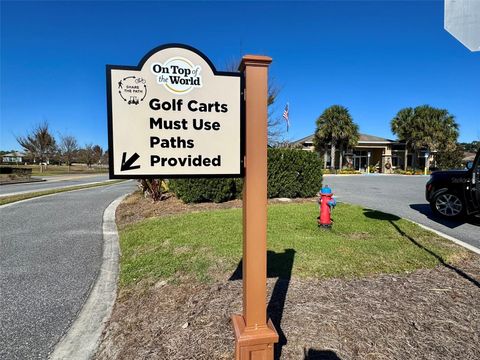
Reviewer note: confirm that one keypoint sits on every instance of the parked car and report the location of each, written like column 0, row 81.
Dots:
column 455, row 193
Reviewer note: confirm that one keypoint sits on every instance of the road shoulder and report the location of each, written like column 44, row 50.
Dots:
column 81, row 340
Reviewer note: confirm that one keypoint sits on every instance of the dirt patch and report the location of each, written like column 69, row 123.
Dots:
column 136, row 207
column 428, row 314
column 361, row 235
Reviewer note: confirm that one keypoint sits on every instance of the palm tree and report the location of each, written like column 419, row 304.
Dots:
column 349, row 140
column 426, row 127
column 401, row 126
column 436, row 128
column 335, row 126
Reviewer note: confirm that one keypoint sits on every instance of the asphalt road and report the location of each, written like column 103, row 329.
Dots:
column 50, row 254
column 403, row 196
column 52, row 182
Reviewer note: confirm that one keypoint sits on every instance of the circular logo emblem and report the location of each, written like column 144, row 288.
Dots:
column 132, row 89
column 178, row 75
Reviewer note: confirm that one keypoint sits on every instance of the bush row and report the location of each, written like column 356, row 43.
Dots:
column 291, row 174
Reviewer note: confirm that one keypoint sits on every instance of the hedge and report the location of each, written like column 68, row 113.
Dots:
column 205, row 190
column 291, row 174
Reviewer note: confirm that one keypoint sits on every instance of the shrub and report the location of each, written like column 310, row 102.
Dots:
column 205, row 190
column 349, row 171
column 152, row 188
column 17, row 171
column 409, row 171
column 291, row 173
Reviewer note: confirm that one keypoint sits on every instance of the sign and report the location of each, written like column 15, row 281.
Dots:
column 174, row 115
column 462, row 21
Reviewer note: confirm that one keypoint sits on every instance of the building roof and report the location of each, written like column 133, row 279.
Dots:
column 309, row 138
column 14, row 154
column 468, row 156
column 372, row 138
column 363, row 138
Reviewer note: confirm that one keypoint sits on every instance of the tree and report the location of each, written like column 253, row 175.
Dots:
column 426, row 127
column 105, row 158
column 68, row 149
column 471, row 147
column 90, row 154
column 435, row 129
column 40, row 144
column 400, row 126
column 152, row 188
column 275, row 133
column 97, row 153
column 274, row 123
column 335, row 126
column 449, row 159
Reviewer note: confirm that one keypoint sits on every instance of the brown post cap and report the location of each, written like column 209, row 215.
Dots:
column 254, row 60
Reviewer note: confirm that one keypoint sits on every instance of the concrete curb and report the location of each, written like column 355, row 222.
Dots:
column 82, row 339
column 448, row 237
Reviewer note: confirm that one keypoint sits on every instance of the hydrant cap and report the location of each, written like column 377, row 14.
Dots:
column 326, row 190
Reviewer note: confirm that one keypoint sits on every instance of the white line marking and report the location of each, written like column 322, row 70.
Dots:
column 57, row 193
column 53, row 188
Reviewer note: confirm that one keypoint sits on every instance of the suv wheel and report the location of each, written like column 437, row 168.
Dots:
column 448, row 204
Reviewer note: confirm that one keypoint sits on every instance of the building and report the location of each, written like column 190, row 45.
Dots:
column 13, row 158
column 385, row 155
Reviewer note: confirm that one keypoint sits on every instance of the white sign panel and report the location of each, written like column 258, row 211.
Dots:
column 174, row 115
column 462, row 20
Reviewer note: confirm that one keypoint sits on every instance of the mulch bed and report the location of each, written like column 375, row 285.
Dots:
column 136, row 208
column 427, row 314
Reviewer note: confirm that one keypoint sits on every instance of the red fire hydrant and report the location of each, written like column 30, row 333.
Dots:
column 327, row 203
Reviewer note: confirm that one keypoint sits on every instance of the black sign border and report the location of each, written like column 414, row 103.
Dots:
column 112, row 175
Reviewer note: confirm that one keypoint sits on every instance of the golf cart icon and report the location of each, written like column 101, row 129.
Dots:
column 133, row 100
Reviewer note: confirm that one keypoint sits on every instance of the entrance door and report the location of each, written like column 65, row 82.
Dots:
column 360, row 160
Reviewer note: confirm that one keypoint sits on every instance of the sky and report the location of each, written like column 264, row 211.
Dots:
column 373, row 57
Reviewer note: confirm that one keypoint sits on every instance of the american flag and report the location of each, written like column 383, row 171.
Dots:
column 285, row 116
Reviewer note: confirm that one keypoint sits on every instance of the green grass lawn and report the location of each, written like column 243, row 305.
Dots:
column 206, row 244
column 14, row 198
column 62, row 170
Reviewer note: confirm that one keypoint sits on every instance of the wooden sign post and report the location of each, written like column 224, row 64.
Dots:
column 175, row 116
column 254, row 333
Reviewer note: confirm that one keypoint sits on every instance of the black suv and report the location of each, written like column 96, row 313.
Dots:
column 455, row 193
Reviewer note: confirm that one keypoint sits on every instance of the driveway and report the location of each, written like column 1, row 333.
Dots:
column 50, row 255
column 403, row 196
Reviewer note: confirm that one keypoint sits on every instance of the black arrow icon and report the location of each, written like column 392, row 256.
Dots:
column 127, row 164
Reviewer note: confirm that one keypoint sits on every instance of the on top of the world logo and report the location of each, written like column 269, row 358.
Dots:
column 178, row 75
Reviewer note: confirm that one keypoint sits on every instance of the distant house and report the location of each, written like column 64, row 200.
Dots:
column 384, row 154
column 14, row 157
